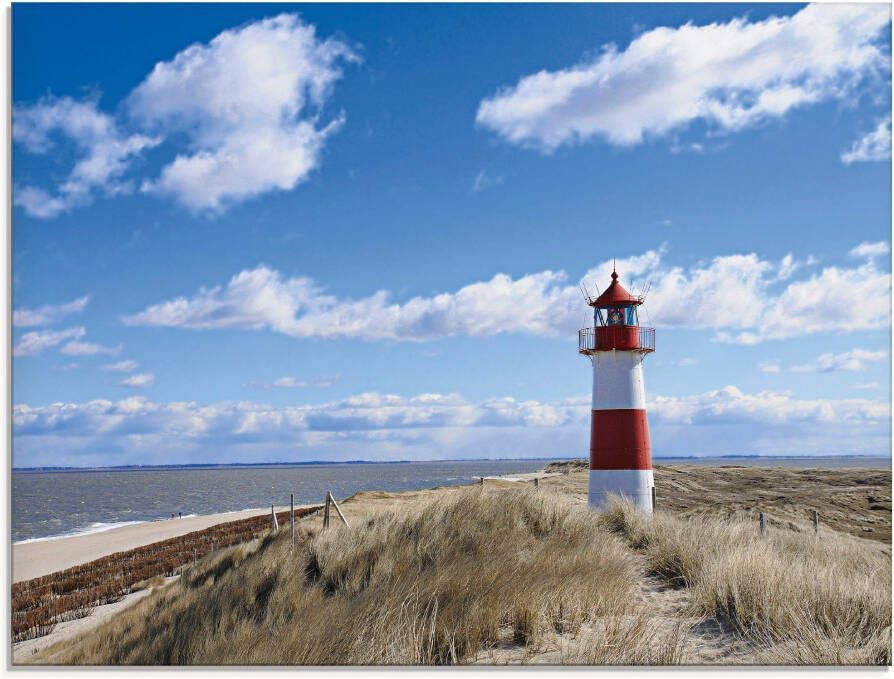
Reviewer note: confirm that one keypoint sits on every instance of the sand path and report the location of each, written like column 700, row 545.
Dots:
column 703, row 640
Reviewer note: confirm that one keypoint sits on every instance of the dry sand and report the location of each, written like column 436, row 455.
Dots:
column 42, row 557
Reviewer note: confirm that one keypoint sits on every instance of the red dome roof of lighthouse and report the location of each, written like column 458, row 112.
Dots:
column 615, row 295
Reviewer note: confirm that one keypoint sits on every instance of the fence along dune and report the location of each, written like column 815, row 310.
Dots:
column 39, row 603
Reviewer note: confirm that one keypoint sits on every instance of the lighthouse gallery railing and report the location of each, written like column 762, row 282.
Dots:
column 617, row 336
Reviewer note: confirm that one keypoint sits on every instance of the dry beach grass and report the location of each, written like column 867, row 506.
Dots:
column 793, row 597
column 434, row 582
column 503, row 574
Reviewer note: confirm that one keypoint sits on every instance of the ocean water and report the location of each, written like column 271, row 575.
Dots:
column 52, row 504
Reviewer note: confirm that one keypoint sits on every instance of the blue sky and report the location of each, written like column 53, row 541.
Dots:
column 277, row 232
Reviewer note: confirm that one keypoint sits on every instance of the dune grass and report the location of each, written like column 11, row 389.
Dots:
column 510, row 575
column 799, row 598
column 435, row 582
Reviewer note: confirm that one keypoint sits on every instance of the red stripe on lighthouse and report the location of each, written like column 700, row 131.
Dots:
column 619, row 439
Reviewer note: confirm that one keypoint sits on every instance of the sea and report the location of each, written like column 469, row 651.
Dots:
column 59, row 503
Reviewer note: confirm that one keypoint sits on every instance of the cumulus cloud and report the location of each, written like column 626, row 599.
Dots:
column 121, row 367
column 874, row 145
column 729, row 75
column 138, row 381
column 89, row 349
column 849, row 361
column 295, row 383
column 249, row 103
column 744, row 298
column 105, row 153
column 768, row 367
column 36, row 341
column 388, row 426
column 47, row 314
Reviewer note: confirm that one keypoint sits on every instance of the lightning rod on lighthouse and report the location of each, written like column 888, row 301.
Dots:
column 620, row 450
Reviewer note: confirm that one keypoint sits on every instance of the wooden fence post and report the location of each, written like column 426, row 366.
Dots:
column 195, row 555
column 292, row 516
column 274, row 524
column 326, row 510
column 536, row 482
column 481, row 480
column 763, row 519
column 815, row 521
column 338, row 509
column 653, row 498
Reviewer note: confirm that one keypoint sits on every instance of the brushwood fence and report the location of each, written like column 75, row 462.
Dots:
column 40, row 603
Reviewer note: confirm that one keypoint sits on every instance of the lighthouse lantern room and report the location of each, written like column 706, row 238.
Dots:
column 620, row 451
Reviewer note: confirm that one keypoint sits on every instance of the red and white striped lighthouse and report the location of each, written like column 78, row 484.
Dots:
column 620, row 452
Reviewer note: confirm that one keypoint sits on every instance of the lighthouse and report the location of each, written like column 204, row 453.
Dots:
column 620, row 452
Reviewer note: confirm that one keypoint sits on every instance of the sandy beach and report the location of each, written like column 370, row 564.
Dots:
column 42, row 557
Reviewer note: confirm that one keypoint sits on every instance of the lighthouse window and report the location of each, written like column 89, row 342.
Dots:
column 631, row 315
column 615, row 316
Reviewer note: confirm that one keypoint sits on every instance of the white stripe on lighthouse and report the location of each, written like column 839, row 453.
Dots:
column 618, row 381
column 634, row 485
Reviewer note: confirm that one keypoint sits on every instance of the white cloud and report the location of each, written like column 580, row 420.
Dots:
column 744, row 298
column 874, row 145
column 138, row 381
column 731, row 405
column 105, row 153
column 89, row 349
column 36, row 341
column 769, row 367
column 427, row 426
column 262, row 298
column 121, row 367
column 730, row 75
column 868, row 385
column 848, row 361
column 47, row 314
column 295, row 383
column 249, row 103
column 868, row 250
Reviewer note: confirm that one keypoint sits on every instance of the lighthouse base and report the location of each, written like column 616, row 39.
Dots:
column 634, row 485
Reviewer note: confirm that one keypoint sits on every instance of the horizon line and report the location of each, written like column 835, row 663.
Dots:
column 200, row 465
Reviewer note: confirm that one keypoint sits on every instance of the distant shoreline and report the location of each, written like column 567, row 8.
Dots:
column 267, row 465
